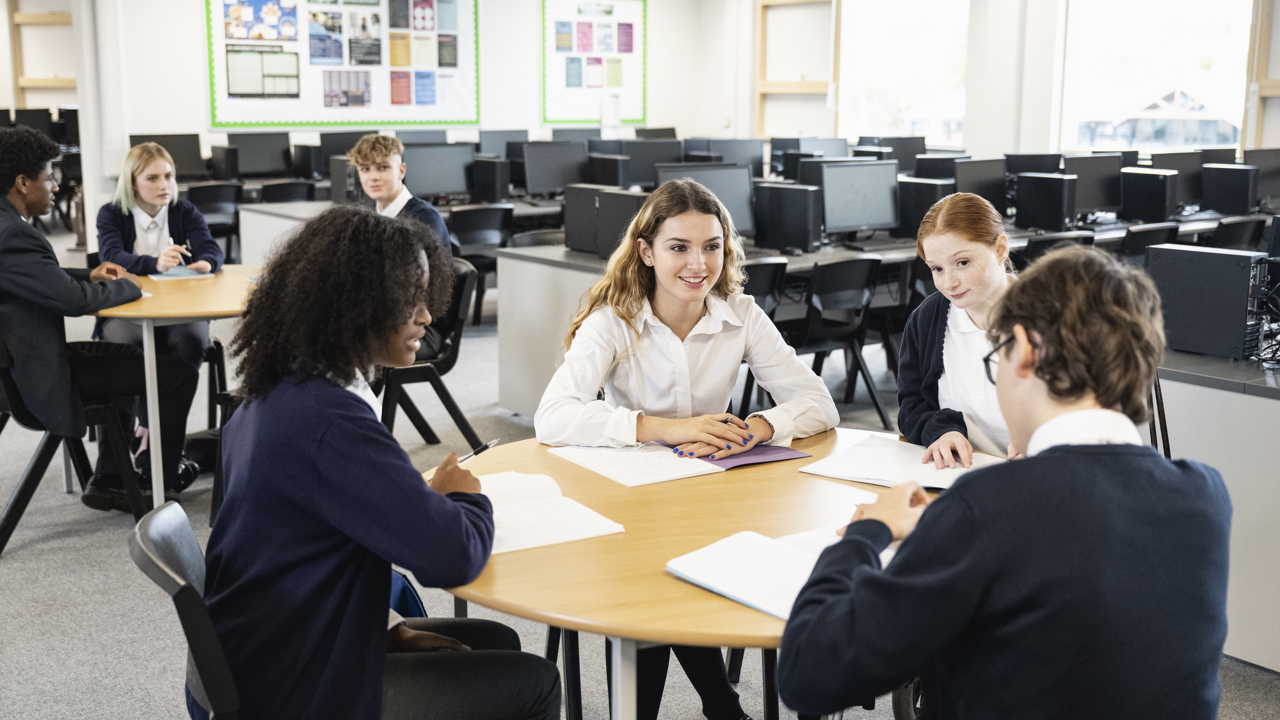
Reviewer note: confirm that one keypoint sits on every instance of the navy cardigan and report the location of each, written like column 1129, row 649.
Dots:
column 117, row 234
column 920, row 419
column 1088, row 581
column 426, row 213
column 320, row 500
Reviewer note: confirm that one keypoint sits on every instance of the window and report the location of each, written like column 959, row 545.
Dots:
column 1154, row 76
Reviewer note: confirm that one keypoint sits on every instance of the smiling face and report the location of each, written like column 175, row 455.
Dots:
column 970, row 274
column 155, row 186
column 382, row 179
column 401, row 348
column 687, row 256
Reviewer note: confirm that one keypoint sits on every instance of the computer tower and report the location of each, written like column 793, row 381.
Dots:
column 701, row 156
column 1046, row 201
column 1230, row 189
column 608, row 169
column 915, row 196
column 791, row 163
column 580, row 201
column 306, row 161
column 614, row 210
column 1212, row 298
column 1148, row 194
column 345, row 179
column 225, row 163
column 788, row 215
column 492, row 180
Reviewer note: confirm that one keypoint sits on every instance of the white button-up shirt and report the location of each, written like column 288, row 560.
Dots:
column 153, row 232
column 1085, row 427
column 964, row 385
column 662, row 376
column 398, row 204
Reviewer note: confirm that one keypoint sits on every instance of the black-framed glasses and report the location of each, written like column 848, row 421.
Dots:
column 989, row 358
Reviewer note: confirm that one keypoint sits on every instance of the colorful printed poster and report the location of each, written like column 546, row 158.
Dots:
column 346, row 88
column 624, row 37
column 401, row 88
column 584, row 37
column 424, row 87
column 424, row 52
column 362, row 2
column 400, row 55
column 260, row 19
column 595, row 72
column 448, row 51
column 573, row 72
column 447, row 15
column 424, row 15
column 365, row 33
column 564, row 37
column 613, row 72
column 604, row 37
column 326, row 38
column 398, row 14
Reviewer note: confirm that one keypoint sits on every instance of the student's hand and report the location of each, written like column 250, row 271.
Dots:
column 202, row 266
column 944, row 450
column 1013, row 454
column 715, row 432
column 760, row 432
column 900, row 509
column 171, row 257
column 402, row 638
column 108, row 271
column 451, row 478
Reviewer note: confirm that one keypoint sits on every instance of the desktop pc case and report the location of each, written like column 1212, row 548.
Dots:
column 1046, row 201
column 1147, row 194
column 492, row 180
column 1211, row 298
column 614, row 210
column 915, row 196
column 306, row 161
column 224, row 164
column 1230, row 189
column 345, row 179
column 580, row 200
column 788, row 216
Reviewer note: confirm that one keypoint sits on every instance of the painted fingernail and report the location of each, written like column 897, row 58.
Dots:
column 751, row 436
column 745, row 425
column 674, row 450
column 744, row 442
column 728, row 447
column 682, row 452
column 713, row 457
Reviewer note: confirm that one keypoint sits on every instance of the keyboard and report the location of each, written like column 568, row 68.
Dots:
column 544, row 203
column 882, row 245
column 1198, row 216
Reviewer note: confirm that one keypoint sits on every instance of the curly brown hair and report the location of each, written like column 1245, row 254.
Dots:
column 342, row 284
column 1099, row 322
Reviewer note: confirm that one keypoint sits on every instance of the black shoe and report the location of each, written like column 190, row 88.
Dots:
column 106, row 493
column 187, row 473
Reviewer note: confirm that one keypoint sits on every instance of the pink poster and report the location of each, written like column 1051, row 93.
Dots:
column 624, row 37
column 424, row 14
column 401, row 88
column 584, row 37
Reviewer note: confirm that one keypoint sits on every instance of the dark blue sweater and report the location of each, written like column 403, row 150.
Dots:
column 1085, row 582
column 426, row 213
column 919, row 368
column 117, row 233
column 320, row 500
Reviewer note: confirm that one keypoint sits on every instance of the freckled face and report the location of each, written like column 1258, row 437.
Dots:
column 968, row 273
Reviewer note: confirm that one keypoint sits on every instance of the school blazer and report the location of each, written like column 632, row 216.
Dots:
column 117, row 234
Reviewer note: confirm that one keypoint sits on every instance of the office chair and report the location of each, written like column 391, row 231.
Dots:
column 846, row 288
column 289, row 191
column 1155, row 400
column 219, row 203
column 1133, row 247
column 891, row 320
column 98, row 413
column 1237, row 232
column 535, row 238
column 165, row 549
column 766, row 277
column 395, row 379
column 1038, row 245
column 481, row 229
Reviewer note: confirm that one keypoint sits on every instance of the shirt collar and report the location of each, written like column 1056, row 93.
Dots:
column 964, row 323
column 145, row 221
column 713, row 320
column 360, row 387
column 1085, row 427
column 398, row 204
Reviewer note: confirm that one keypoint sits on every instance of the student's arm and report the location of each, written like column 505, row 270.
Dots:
column 111, row 229
column 857, row 631
column 569, row 413
column 30, row 270
column 919, row 417
column 804, row 404
column 200, row 242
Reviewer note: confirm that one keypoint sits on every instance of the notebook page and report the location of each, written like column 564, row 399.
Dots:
column 180, row 272
column 751, row 569
column 815, row 541
column 547, row 522
column 635, row 466
column 881, row 461
column 509, row 489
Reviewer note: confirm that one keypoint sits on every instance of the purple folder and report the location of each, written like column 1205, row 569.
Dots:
column 758, row 454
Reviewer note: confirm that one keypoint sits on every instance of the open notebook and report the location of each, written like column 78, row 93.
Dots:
column 654, row 463
column 530, row 511
column 881, row 461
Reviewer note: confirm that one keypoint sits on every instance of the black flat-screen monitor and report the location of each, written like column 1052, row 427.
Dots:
column 494, row 142
column 783, row 144
column 437, row 169
column 860, row 196
column 574, row 134
column 185, row 150
column 1097, row 181
column 422, row 137
column 730, row 183
column 261, row 154
column 829, row 147
column 1188, row 166
column 984, row 178
column 1218, row 155
column 35, row 118
column 1268, row 163
column 905, row 150
column 605, row 147
column 70, row 119
column 667, row 133
column 699, row 144
column 937, row 167
column 549, row 166
column 645, row 154
column 338, row 143
column 1015, row 163
column 810, row 170
column 739, row 152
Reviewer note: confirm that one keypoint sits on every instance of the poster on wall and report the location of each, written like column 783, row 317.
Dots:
column 593, row 56
column 317, row 63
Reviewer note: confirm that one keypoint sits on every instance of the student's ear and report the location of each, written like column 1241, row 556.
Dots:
column 1002, row 249
column 646, row 252
column 1024, row 353
column 404, row 167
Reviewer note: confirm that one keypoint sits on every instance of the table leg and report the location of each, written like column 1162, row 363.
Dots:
column 68, row 470
column 153, row 412
column 622, row 686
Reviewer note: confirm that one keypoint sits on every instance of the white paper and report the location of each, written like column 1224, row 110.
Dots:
column 635, row 466
column 530, row 511
column 180, row 272
column 815, row 541
column 881, row 461
column 751, row 569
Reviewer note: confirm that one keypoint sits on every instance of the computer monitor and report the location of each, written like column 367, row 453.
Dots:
column 739, row 152
column 645, row 153
column 185, row 150
column 1218, row 155
column 338, row 143
column 70, row 119
column 1015, row 163
column 1268, row 163
column 829, row 147
column 35, row 118
column 700, row 144
column 574, row 134
column 438, row 169
column 937, row 167
column 783, row 144
column 667, row 133
column 905, row 150
column 1097, row 181
column 869, row 140
column 984, row 178
column 494, row 142
column 549, row 166
column 262, row 154
column 860, row 196
column 422, row 137
column 810, row 169
column 605, row 147
column 1188, row 166
column 730, row 183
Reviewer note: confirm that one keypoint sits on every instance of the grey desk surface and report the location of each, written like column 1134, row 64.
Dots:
column 562, row 257
column 1242, row 376
column 308, row 210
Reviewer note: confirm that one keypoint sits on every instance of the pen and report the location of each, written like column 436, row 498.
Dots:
column 478, row 450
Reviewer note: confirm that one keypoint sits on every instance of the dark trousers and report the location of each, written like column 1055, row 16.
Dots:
column 110, row 371
column 704, row 666
column 493, row 681
column 189, row 341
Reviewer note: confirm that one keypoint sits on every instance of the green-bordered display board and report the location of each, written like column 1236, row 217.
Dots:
column 593, row 61
column 316, row 63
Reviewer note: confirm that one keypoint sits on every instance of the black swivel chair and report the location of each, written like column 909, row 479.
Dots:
column 393, row 394
column 1237, row 233
column 1133, row 247
column 891, row 320
column 289, row 191
column 165, row 549
column 1041, row 244
column 766, row 277
column 480, row 230
column 536, row 238
column 219, row 203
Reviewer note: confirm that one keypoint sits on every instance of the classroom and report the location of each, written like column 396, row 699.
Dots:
column 669, row 320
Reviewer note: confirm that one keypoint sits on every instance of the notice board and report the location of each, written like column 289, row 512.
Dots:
column 593, row 61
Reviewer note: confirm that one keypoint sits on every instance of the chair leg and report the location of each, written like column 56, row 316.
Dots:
column 454, row 411
column 572, row 677
column 553, row 644
column 419, row 422
column 818, row 359
column 480, row 278
column 459, row 607
column 4, row 420
column 770, row 658
column 746, row 394
column 213, row 391
column 871, row 388
column 80, row 461
column 31, row 478
column 390, row 399
column 1164, row 428
column 850, row 376
column 733, row 665
column 118, row 446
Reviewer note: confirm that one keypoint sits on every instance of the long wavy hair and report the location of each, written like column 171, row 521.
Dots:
column 628, row 282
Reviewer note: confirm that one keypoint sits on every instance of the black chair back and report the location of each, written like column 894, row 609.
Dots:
column 766, row 277
column 11, row 400
column 1040, row 244
column 464, row 284
column 845, row 287
column 215, row 198
column 482, row 224
column 920, row 283
column 91, row 260
column 534, row 238
column 1139, row 237
column 1237, row 232
column 165, row 548
column 289, row 191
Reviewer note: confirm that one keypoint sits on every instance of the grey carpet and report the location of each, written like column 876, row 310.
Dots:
column 83, row 634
